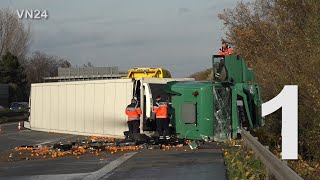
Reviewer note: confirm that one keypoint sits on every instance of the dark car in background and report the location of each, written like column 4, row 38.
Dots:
column 19, row 106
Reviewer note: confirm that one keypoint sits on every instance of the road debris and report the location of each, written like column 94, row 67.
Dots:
column 91, row 145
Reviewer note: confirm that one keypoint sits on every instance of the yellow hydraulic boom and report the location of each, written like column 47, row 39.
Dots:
column 148, row 73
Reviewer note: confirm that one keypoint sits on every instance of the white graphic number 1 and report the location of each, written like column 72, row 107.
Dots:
column 287, row 99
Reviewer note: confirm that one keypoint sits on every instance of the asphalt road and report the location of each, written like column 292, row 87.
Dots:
column 11, row 137
column 146, row 164
column 171, row 164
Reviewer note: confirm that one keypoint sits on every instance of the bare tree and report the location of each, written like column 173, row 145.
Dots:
column 14, row 35
column 64, row 63
column 41, row 65
column 89, row 64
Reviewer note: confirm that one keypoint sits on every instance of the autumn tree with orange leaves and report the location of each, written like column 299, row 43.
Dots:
column 280, row 40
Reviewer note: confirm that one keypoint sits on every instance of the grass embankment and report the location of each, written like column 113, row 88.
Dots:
column 305, row 169
column 241, row 163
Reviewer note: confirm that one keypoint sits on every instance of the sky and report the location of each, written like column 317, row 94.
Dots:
column 178, row 35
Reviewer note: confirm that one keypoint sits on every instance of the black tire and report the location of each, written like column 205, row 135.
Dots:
column 126, row 134
column 238, row 136
column 149, row 125
column 243, row 122
column 137, row 137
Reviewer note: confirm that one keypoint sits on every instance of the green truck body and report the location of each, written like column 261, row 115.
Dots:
column 215, row 110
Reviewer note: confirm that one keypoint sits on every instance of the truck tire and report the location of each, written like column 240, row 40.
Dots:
column 243, row 122
column 139, row 138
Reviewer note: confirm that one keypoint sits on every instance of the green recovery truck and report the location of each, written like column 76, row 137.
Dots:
column 216, row 110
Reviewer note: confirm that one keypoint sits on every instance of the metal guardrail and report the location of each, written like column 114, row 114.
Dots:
column 278, row 169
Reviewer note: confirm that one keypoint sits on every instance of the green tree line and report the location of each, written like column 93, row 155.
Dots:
column 18, row 69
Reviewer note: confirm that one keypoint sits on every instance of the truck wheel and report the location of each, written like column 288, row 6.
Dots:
column 243, row 122
column 137, row 137
column 238, row 136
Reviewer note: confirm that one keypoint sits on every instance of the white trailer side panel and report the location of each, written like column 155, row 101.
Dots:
column 98, row 108
column 119, row 106
column 54, row 97
column 62, row 108
column 46, row 109
column 88, row 107
column 71, row 109
column 81, row 107
column 109, row 113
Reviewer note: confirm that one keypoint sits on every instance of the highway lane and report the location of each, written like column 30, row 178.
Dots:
column 183, row 163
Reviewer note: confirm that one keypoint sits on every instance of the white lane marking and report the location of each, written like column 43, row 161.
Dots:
column 108, row 175
column 57, row 139
column 23, row 139
column 109, row 167
column 103, row 172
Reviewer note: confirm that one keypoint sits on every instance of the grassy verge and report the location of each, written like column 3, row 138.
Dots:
column 305, row 169
column 241, row 163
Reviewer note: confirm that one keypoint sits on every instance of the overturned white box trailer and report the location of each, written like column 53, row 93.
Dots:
column 91, row 107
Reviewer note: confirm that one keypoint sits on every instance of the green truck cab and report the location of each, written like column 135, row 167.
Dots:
column 216, row 110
